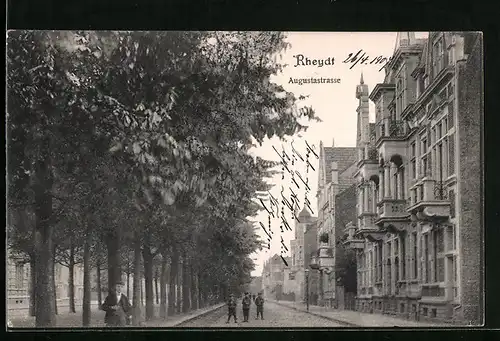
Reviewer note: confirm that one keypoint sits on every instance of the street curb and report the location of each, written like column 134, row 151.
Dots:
column 319, row 315
column 201, row 314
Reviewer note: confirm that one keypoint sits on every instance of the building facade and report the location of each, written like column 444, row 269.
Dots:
column 273, row 276
column 304, row 244
column 337, row 166
column 19, row 282
column 418, row 232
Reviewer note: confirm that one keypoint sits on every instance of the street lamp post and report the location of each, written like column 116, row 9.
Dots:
column 307, row 288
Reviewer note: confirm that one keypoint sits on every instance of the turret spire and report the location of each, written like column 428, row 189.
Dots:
column 361, row 81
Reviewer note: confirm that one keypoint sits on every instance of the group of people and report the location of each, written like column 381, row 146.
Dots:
column 245, row 303
column 118, row 308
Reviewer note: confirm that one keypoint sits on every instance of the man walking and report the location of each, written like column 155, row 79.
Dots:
column 117, row 307
column 245, row 303
column 259, row 302
column 231, row 309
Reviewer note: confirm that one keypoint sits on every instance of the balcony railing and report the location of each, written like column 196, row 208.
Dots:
column 367, row 220
column 392, row 208
column 372, row 154
column 430, row 190
column 390, row 128
column 397, row 129
column 440, row 192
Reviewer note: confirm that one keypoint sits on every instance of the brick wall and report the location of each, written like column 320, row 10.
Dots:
column 470, row 116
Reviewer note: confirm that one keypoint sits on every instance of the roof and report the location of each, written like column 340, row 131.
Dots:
column 344, row 156
column 304, row 213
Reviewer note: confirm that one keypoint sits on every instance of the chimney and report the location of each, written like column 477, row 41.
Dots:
column 333, row 142
column 335, row 173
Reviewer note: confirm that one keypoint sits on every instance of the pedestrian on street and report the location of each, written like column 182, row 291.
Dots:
column 231, row 309
column 117, row 308
column 245, row 303
column 259, row 302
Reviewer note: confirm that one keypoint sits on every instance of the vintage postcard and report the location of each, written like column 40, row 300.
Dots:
column 252, row 180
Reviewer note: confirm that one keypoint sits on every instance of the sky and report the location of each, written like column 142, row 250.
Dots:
column 334, row 103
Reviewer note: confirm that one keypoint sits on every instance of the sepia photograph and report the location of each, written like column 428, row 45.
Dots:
column 244, row 179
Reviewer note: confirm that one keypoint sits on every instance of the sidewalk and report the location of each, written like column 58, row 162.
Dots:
column 356, row 319
column 74, row 320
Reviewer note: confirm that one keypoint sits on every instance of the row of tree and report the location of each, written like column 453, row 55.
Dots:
column 130, row 152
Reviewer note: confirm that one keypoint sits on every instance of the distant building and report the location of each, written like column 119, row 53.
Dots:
column 19, row 282
column 302, row 247
column 273, row 277
column 256, row 285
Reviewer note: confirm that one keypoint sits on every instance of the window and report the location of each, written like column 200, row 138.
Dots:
column 403, row 260
column 424, row 311
column 415, row 255
column 413, row 162
column 437, row 57
column 451, row 56
column 427, row 268
column 399, row 97
column 455, row 277
column 451, row 114
column 291, row 276
column 19, row 275
column 433, row 312
column 438, row 255
column 424, row 156
column 451, row 154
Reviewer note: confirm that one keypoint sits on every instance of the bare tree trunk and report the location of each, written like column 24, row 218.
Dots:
column 157, row 295
column 194, row 288
column 186, row 285
column 142, row 291
column 44, row 274
column 32, row 284
column 136, row 300
column 148, row 280
column 172, row 291
column 54, row 287
column 201, row 299
column 163, row 286
column 86, row 304
column 128, row 274
column 99, row 288
column 71, row 278
column 54, row 281
column 114, row 261
column 43, row 237
column 179, row 286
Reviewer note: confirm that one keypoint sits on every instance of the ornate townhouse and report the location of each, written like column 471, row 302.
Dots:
column 337, row 166
column 419, row 234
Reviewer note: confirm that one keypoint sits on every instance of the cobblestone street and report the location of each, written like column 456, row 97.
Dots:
column 274, row 316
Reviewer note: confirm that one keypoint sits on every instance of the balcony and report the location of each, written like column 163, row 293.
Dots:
column 432, row 290
column 393, row 216
column 352, row 241
column 323, row 258
column 430, row 202
column 367, row 221
column 390, row 129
